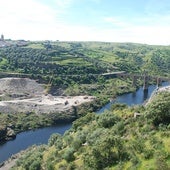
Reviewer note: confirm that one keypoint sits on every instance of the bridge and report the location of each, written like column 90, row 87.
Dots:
column 146, row 78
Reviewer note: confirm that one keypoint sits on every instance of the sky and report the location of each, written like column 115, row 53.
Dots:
column 138, row 21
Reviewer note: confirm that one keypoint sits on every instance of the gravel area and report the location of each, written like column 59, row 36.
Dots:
column 26, row 95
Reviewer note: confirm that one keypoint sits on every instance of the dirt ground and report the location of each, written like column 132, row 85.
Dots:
column 167, row 88
column 26, row 95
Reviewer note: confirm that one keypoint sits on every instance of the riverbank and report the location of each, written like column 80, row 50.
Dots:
column 73, row 108
column 156, row 91
column 110, row 135
column 167, row 88
column 6, row 165
column 25, row 105
column 137, row 97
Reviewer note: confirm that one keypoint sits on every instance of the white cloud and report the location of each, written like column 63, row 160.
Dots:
column 151, row 29
column 28, row 19
column 138, row 34
column 151, row 34
column 115, row 21
column 29, row 10
column 63, row 3
column 33, row 20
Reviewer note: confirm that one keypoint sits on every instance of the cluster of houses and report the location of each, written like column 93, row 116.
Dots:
column 8, row 42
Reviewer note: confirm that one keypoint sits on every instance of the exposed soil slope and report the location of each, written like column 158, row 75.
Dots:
column 25, row 95
column 20, row 86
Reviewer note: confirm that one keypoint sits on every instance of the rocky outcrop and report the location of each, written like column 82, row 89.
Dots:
column 3, row 133
column 6, row 133
column 10, row 134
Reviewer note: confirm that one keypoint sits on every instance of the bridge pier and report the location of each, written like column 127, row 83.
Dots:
column 134, row 80
column 158, row 82
column 145, row 83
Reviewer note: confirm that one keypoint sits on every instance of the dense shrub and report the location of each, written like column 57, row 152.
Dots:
column 158, row 111
column 107, row 119
column 69, row 155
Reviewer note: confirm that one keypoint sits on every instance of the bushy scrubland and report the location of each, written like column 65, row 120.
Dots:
column 114, row 139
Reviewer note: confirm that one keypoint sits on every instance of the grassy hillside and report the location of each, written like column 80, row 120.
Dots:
column 75, row 68
column 69, row 65
column 84, row 58
column 113, row 140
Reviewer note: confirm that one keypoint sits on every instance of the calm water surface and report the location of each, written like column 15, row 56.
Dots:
column 138, row 97
column 41, row 136
column 29, row 138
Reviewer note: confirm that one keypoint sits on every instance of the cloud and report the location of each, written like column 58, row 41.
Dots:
column 29, row 10
column 34, row 20
column 150, row 29
column 63, row 4
column 146, row 34
column 116, row 21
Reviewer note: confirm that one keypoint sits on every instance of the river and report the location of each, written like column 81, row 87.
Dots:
column 41, row 136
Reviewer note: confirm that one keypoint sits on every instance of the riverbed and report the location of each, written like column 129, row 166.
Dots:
column 41, row 136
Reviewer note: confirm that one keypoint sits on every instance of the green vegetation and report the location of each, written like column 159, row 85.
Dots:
column 68, row 63
column 19, row 122
column 76, row 67
column 22, row 122
column 112, row 140
column 159, row 110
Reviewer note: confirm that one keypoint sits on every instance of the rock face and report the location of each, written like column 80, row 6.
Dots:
column 10, row 134
column 6, row 133
column 3, row 132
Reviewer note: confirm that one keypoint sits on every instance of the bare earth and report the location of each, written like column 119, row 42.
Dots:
column 8, row 165
column 167, row 88
column 25, row 95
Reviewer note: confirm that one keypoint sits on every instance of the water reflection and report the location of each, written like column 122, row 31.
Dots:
column 133, row 94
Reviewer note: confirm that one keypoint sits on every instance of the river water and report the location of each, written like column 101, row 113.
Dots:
column 41, row 136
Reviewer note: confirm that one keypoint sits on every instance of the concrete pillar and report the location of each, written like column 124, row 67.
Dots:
column 158, row 82
column 134, row 80
column 145, row 83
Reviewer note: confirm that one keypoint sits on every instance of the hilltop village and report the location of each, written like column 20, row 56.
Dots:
column 8, row 42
